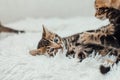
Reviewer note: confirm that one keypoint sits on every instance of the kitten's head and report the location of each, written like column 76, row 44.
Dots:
column 102, row 13
column 49, row 43
column 99, row 4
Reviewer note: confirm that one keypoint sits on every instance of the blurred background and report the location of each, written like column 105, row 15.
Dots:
column 13, row 10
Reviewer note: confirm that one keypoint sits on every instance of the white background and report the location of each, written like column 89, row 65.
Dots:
column 12, row 10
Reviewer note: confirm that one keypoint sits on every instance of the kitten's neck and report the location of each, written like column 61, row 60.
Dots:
column 65, row 42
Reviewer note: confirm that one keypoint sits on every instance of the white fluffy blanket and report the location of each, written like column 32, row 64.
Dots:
column 17, row 64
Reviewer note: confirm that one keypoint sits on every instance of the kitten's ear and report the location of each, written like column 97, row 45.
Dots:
column 45, row 31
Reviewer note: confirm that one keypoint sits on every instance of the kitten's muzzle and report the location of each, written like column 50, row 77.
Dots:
column 58, row 47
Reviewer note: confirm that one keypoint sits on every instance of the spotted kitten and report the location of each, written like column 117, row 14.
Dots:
column 51, row 43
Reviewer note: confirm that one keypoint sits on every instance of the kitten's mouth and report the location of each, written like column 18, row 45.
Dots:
column 61, row 47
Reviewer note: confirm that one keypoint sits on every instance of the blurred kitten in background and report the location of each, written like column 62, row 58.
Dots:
column 9, row 30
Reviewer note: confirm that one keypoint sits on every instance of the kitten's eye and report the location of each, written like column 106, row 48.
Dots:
column 56, row 40
column 97, row 8
column 102, row 9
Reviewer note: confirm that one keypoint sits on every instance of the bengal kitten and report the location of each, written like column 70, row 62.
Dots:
column 92, row 37
column 51, row 43
column 10, row 30
column 106, row 3
column 105, row 40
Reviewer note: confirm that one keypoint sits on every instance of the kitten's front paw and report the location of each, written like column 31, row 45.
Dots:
column 33, row 52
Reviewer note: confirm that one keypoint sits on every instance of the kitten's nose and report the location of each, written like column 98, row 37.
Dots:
column 58, row 47
column 33, row 52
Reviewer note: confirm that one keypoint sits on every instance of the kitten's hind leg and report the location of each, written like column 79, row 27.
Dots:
column 116, row 54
